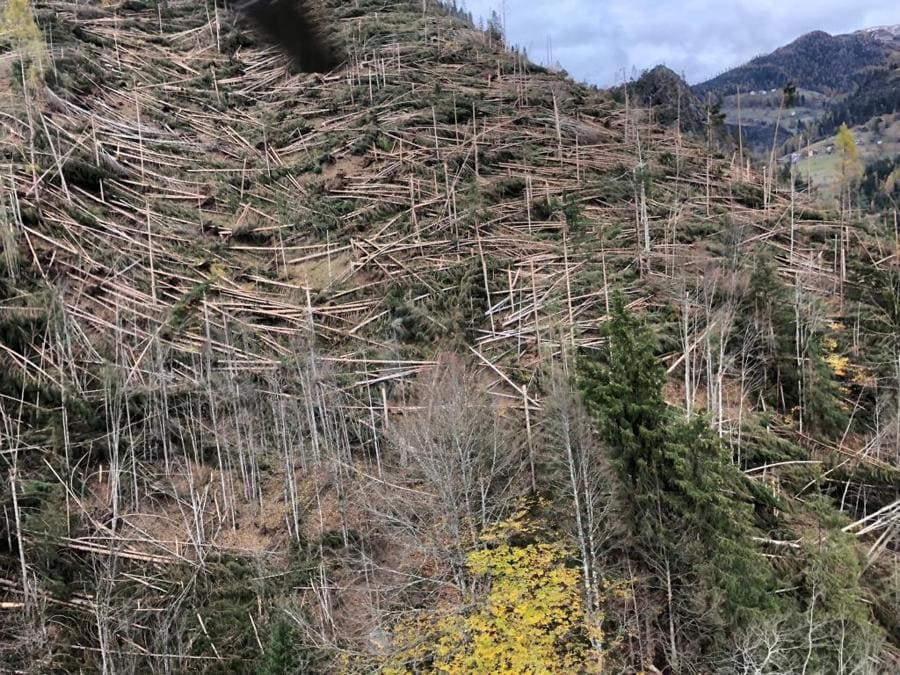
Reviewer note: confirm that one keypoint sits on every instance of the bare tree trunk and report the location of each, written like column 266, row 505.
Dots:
column 809, row 631
column 20, row 543
column 670, row 598
column 686, row 344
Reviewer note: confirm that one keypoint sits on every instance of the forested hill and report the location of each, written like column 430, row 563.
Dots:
column 838, row 79
column 438, row 362
column 817, row 61
column 877, row 94
column 674, row 103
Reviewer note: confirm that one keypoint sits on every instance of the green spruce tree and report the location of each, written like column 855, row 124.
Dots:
column 624, row 392
column 281, row 656
column 685, row 500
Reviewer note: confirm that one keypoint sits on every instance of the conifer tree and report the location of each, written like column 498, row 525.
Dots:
column 682, row 494
column 772, row 313
column 280, row 656
column 625, row 395
column 771, row 324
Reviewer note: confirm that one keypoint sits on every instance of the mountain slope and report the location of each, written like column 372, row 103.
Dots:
column 817, row 61
column 841, row 78
column 878, row 94
column 291, row 366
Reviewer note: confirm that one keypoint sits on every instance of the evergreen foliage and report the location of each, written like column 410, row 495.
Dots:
column 877, row 94
column 277, row 353
column 769, row 314
column 880, row 185
column 281, row 656
column 684, row 497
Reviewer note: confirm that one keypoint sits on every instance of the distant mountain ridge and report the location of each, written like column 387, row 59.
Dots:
column 849, row 78
column 817, row 61
column 890, row 34
column 438, row 362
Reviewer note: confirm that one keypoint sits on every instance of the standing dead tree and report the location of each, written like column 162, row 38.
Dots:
column 459, row 459
column 586, row 475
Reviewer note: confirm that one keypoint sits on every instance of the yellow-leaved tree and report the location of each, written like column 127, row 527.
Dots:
column 851, row 168
column 20, row 28
column 531, row 620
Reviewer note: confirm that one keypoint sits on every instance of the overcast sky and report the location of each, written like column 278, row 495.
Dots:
column 595, row 40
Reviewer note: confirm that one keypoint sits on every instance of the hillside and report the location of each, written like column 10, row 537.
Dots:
column 438, row 362
column 872, row 112
column 877, row 95
column 878, row 145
